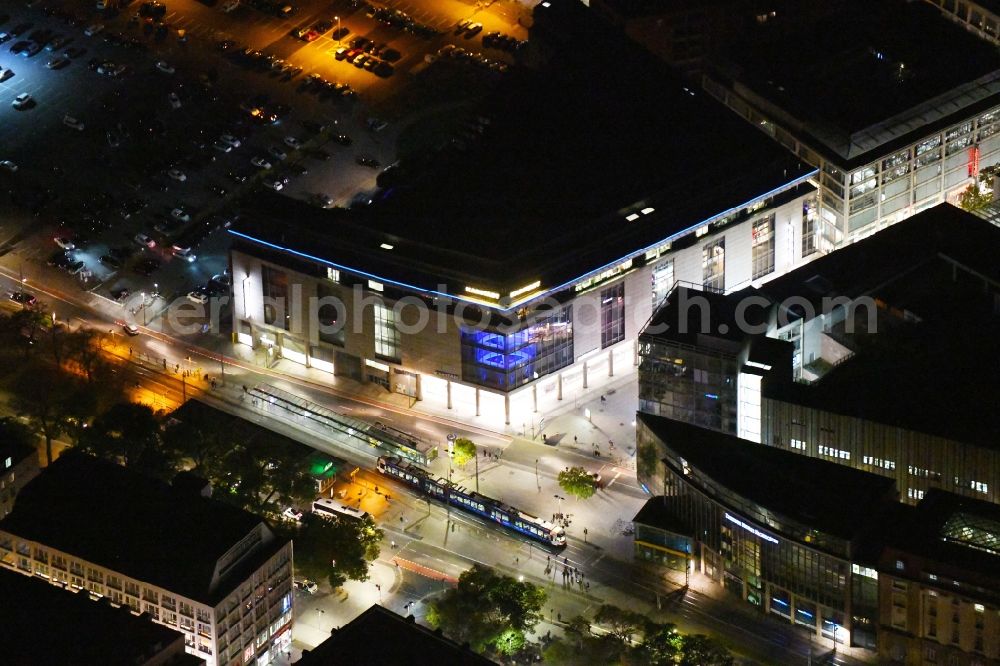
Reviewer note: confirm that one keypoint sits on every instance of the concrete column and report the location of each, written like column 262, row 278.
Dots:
column 506, row 409
column 449, row 393
column 611, row 362
column 559, row 386
column 635, row 353
column 585, row 374
column 534, row 396
column 418, row 389
column 477, row 401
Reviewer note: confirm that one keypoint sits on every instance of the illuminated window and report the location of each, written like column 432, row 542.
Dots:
column 762, row 248
column 386, row 335
column 915, row 493
column 810, row 222
column 612, row 315
column 830, row 452
column 713, row 265
column 375, row 286
column 8, row 462
column 798, row 444
column 663, row 279
column 332, row 274
column 979, row 487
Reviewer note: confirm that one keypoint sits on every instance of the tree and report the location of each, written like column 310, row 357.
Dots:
column 485, row 607
column 661, row 645
column 463, row 451
column 258, row 474
column 336, row 550
column 129, row 433
column 82, row 348
column 577, row 482
column 204, row 440
column 975, row 197
column 41, row 394
column 620, row 623
column 700, row 650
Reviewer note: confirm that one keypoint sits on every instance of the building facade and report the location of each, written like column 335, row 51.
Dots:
column 18, row 466
column 232, row 603
column 875, row 168
column 754, row 517
column 352, row 325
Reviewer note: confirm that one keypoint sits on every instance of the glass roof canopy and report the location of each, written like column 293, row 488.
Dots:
column 973, row 531
column 354, row 432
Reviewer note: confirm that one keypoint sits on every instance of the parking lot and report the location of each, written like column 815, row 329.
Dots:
column 141, row 152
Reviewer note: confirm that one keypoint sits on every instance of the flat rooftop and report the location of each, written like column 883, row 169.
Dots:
column 363, row 640
column 136, row 525
column 829, row 497
column 543, row 193
column 43, row 624
column 953, row 531
column 933, row 266
column 870, row 76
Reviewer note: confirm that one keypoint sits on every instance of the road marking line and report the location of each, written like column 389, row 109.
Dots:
column 612, row 481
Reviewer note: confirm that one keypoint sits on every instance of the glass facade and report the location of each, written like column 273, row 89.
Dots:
column 687, row 385
column 612, row 315
column 505, row 362
column 663, row 280
column 762, row 247
column 713, row 264
column 386, row 335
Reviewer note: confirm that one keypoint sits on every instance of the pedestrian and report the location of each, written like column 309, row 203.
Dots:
column 129, row 351
column 559, row 616
column 548, row 559
column 611, row 444
column 574, row 439
column 392, row 543
column 545, row 438
column 603, row 399
column 587, row 586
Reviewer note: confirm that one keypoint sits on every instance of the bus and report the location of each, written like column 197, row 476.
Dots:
column 491, row 509
column 333, row 509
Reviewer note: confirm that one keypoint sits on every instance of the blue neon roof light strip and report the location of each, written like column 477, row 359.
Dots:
column 790, row 184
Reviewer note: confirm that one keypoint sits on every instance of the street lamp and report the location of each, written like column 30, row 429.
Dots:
column 338, row 29
column 560, row 498
column 143, row 306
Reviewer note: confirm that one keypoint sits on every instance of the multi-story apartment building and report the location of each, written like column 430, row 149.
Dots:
column 981, row 18
column 898, row 108
column 43, row 625
column 18, row 466
column 217, row 574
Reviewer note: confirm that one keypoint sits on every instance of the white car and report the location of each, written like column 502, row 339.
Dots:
column 175, row 101
column 57, row 63
column 64, row 243
column 8, row 165
column 184, row 253
column 70, row 121
column 261, row 163
column 164, row 67
column 6, row 73
column 22, row 101
column 180, row 214
column 275, row 185
column 230, row 140
column 277, row 153
column 177, row 175
column 131, row 329
column 93, row 29
column 305, row 585
column 145, row 241
column 292, row 142
column 197, row 297
column 292, row 514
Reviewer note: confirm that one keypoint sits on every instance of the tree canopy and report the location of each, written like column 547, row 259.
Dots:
column 626, row 637
column 577, row 482
column 488, row 610
column 463, row 450
column 335, row 550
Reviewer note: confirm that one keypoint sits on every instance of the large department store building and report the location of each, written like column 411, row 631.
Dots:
column 538, row 274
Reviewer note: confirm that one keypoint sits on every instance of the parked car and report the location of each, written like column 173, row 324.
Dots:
column 70, row 121
column 144, row 240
